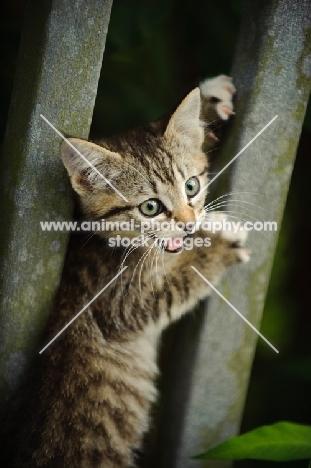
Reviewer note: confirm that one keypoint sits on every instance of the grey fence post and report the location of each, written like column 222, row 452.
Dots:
column 212, row 353
column 58, row 70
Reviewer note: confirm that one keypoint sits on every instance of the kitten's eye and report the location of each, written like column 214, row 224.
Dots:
column 192, row 186
column 151, row 207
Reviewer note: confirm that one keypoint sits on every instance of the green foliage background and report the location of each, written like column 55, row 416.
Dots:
column 156, row 51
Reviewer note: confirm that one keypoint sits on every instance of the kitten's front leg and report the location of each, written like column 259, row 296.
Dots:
column 227, row 248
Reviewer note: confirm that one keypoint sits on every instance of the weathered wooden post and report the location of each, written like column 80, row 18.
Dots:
column 58, row 70
column 213, row 352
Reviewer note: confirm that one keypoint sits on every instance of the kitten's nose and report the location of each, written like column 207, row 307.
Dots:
column 184, row 215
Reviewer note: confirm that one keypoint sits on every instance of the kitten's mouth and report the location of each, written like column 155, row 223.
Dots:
column 170, row 244
column 173, row 245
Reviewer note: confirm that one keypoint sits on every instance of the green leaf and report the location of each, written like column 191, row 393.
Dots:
column 282, row 441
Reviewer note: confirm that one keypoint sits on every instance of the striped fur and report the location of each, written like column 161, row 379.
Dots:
column 90, row 398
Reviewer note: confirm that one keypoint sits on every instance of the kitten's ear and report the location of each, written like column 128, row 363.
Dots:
column 185, row 123
column 89, row 169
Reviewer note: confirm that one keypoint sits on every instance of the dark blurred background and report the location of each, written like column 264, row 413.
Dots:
column 156, row 51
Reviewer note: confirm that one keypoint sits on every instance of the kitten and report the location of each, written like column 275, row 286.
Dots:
column 90, row 400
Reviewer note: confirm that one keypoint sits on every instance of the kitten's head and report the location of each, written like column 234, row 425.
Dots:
column 150, row 175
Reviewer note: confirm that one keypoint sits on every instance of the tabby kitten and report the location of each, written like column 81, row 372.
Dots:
column 90, row 400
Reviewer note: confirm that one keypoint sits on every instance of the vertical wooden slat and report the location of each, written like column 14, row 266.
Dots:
column 58, row 69
column 213, row 352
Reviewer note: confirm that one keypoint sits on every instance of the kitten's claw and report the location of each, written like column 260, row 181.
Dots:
column 224, row 110
column 231, row 89
column 213, row 136
column 227, row 110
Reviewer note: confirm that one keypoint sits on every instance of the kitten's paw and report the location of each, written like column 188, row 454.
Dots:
column 222, row 90
column 233, row 235
column 233, row 231
column 236, row 238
